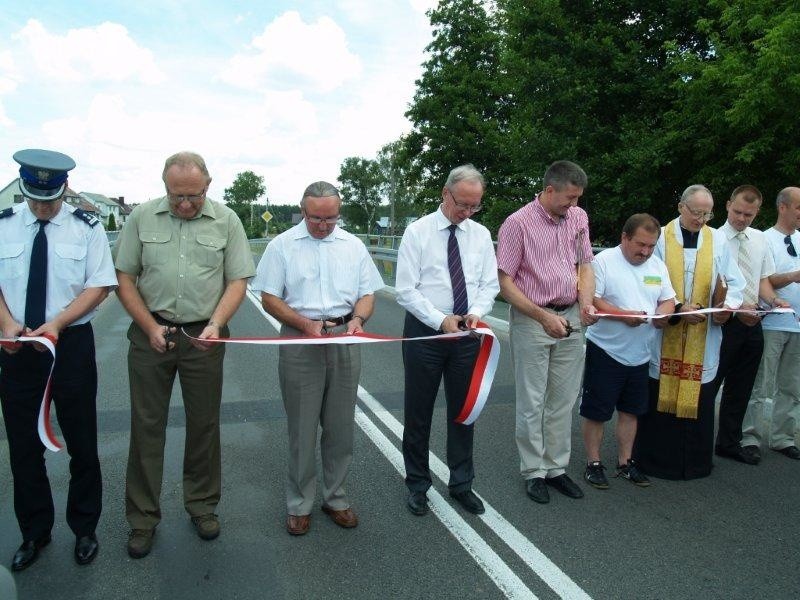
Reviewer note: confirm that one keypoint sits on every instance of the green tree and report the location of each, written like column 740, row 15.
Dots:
column 397, row 184
column 245, row 190
column 735, row 115
column 362, row 183
column 459, row 109
column 112, row 222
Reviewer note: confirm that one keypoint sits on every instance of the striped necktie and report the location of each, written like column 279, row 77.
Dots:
column 36, row 295
column 745, row 266
column 460, row 305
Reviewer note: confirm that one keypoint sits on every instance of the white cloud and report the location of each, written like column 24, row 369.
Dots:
column 423, row 6
column 102, row 53
column 292, row 54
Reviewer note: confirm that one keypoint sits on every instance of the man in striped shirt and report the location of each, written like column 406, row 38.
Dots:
column 544, row 260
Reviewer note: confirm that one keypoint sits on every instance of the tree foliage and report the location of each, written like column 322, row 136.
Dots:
column 361, row 189
column 648, row 96
column 241, row 196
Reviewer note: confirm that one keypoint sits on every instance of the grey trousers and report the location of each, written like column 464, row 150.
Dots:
column 778, row 378
column 548, row 375
column 319, row 386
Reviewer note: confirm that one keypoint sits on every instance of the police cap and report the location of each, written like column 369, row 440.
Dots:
column 43, row 173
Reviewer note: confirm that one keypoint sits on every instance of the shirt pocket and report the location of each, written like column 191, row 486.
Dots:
column 210, row 251
column 154, row 247
column 12, row 260
column 472, row 265
column 71, row 262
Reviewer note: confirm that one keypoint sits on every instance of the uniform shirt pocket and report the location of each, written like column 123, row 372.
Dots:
column 71, row 262
column 12, row 260
column 154, row 247
column 210, row 251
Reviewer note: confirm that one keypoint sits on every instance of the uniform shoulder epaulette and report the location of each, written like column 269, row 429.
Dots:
column 6, row 213
column 86, row 217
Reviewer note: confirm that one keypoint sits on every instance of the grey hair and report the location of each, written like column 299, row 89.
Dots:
column 692, row 190
column 785, row 196
column 563, row 173
column 186, row 160
column 461, row 173
column 319, row 189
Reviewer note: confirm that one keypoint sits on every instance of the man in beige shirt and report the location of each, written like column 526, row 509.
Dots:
column 183, row 262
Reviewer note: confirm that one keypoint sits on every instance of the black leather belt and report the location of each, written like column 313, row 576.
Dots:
column 338, row 320
column 162, row 321
column 559, row 307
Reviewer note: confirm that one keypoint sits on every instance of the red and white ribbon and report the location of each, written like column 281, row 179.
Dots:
column 482, row 374
column 45, row 429
column 701, row 311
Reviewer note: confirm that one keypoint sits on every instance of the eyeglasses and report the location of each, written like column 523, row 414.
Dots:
column 462, row 206
column 320, row 220
column 193, row 198
column 790, row 246
column 699, row 214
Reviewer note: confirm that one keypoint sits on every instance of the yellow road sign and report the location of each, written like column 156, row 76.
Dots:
column 267, row 216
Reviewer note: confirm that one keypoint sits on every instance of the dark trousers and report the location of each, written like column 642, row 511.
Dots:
column 425, row 364
column 740, row 356
column 23, row 377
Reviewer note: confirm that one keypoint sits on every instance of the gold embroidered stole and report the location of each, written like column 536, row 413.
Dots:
column 683, row 346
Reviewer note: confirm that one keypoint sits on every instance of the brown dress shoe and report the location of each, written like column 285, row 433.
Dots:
column 298, row 524
column 343, row 518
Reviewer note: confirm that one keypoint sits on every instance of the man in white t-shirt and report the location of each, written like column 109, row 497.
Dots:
column 778, row 376
column 628, row 279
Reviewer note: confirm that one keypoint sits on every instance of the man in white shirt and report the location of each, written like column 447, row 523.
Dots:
column 446, row 281
column 317, row 279
column 778, row 375
column 627, row 279
column 742, row 337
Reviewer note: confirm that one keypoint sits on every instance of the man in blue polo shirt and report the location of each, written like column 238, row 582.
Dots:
column 627, row 279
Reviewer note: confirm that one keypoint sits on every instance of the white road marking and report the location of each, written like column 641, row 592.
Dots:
column 494, row 566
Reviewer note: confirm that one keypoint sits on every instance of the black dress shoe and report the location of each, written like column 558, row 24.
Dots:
column 469, row 501
column 753, row 451
column 418, row 503
column 740, row 454
column 537, row 490
column 28, row 552
column 791, row 452
column 565, row 485
column 86, row 548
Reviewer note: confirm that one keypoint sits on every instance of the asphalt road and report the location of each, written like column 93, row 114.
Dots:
column 731, row 535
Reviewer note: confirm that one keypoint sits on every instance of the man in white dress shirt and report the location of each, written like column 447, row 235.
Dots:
column 317, row 279
column 446, row 281
column 778, row 375
column 742, row 337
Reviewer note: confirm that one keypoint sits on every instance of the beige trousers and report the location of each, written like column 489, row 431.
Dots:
column 548, row 374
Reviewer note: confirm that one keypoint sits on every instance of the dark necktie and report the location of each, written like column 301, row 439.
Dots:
column 460, row 306
column 37, row 280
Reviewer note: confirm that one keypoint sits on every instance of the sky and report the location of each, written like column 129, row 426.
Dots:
column 285, row 89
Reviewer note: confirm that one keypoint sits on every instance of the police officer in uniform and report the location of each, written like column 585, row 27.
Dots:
column 55, row 268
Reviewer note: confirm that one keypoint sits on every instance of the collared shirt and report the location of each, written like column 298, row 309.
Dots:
column 78, row 257
column 540, row 252
column 634, row 288
column 183, row 265
column 722, row 264
column 784, row 263
column 761, row 262
column 423, row 277
column 317, row 278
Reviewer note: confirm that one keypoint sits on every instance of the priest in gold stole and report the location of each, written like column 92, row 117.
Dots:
column 675, row 439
